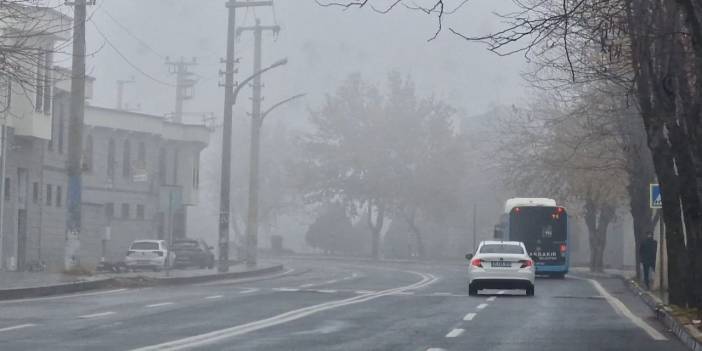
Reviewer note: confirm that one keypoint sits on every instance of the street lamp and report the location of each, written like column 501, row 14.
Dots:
column 225, row 180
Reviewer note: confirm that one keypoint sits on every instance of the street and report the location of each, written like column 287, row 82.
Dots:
column 340, row 305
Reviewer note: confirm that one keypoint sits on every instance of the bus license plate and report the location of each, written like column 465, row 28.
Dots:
column 501, row 264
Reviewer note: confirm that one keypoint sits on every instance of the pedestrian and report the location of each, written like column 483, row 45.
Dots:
column 647, row 255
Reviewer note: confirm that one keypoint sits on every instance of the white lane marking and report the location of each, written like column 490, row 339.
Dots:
column 66, row 296
column 481, row 306
column 248, row 291
column 364, row 292
column 159, row 304
column 307, row 285
column 96, row 315
column 223, row 334
column 435, row 349
column 455, row 332
column 214, row 297
column 491, row 298
column 621, row 309
column 331, row 281
column 501, row 292
column 403, row 293
column 15, row 327
column 326, row 291
column 469, row 316
column 285, row 289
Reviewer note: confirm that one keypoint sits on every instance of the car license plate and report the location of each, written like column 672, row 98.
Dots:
column 500, row 264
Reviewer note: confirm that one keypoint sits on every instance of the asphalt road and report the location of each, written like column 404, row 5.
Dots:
column 340, row 305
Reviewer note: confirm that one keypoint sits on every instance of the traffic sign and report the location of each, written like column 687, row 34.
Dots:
column 655, row 196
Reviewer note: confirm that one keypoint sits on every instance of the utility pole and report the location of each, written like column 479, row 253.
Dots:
column 184, row 84
column 225, row 179
column 120, row 91
column 475, row 232
column 256, row 121
column 75, row 133
column 5, row 111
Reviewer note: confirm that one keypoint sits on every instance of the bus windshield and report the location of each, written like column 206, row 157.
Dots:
column 543, row 230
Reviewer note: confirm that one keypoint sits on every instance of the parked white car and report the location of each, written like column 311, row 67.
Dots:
column 500, row 265
column 148, row 254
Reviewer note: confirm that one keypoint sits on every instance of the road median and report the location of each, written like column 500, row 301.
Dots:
column 136, row 280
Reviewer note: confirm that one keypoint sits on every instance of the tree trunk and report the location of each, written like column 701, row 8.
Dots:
column 412, row 223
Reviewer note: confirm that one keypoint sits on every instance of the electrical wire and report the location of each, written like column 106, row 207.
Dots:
column 130, row 63
column 131, row 34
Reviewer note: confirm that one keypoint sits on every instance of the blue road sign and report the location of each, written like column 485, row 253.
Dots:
column 655, row 196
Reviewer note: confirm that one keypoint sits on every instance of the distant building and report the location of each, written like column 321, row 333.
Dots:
column 140, row 171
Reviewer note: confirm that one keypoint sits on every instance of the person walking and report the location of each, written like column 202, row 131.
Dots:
column 647, row 255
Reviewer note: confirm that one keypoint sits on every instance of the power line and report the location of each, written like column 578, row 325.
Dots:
column 131, row 34
column 135, row 67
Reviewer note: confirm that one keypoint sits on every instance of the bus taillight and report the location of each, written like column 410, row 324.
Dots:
column 563, row 248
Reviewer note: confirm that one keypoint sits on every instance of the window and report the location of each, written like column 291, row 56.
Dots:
column 35, row 192
column 127, row 159
column 140, row 212
column 48, row 194
column 162, row 166
column 110, row 210
column 176, row 155
column 60, row 130
column 501, row 249
column 125, row 211
column 196, row 170
column 88, row 154
column 145, row 245
column 7, row 188
column 58, row 196
column 111, row 159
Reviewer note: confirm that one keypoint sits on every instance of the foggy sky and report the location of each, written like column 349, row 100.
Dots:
column 323, row 46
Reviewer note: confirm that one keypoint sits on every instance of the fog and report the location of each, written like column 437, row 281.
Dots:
column 324, row 45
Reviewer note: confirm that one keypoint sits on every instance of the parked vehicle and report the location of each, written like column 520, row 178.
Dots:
column 148, row 254
column 193, row 253
column 500, row 265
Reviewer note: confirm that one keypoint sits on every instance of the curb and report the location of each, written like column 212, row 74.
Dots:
column 60, row 289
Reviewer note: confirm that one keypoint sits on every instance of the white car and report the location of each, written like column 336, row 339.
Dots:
column 500, row 265
column 149, row 254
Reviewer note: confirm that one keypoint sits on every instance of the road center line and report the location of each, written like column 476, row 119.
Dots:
column 469, row 316
column 621, row 309
column 15, row 327
column 481, row 306
column 455, row 332
column 214, row 297
column 491, row 298
column 159, row 304
column 248, row 291
column 96, row 315
column 223, row 334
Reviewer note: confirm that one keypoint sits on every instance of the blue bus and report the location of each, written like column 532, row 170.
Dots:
column 542, row 226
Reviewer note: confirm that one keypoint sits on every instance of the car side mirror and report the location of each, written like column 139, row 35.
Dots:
column 469, row 256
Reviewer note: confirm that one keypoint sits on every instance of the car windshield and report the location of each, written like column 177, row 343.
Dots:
column 501, row 249
column 145, row 245
column 185, row 244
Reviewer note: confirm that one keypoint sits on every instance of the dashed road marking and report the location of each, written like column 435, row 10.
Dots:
column 15, row 327
column 307, row 285
column 364, row 292
column 214, row 297
column 435, row 349
column 159, row 304
column 248, row 291
column 491, row 298
column 325, row 291
column 96, row 315
column 481, row 306
column 455, row 333
column 469, row 316
column 331, row 281
column 286, row 289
